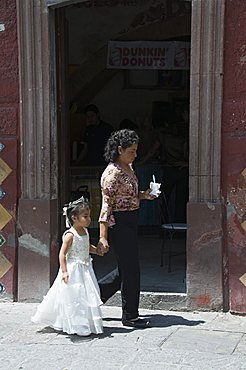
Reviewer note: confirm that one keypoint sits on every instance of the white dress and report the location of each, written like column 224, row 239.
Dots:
column 73, row 307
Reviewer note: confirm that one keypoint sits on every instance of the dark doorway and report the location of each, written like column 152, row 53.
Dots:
column 151, row 99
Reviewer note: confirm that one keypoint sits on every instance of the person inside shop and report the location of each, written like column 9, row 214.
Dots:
column 96, row 135
column 119, row 221
column 174, row 148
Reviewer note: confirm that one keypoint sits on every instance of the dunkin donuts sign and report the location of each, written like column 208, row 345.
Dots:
column 148, row 55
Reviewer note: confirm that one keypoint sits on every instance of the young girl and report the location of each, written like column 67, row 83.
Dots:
column 72, row 303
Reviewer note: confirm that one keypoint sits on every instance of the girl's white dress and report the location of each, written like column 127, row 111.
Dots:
column 73, row 307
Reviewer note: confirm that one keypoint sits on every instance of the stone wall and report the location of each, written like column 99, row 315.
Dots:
column 234, row 153
column 9, row 128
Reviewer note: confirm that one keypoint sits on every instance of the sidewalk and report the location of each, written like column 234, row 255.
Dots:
column 176, row 340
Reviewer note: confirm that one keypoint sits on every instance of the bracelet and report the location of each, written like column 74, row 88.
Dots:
column 102, row 237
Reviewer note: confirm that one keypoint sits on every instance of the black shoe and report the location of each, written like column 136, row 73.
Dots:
column 139, row 323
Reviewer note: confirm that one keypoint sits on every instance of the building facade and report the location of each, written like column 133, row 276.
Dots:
column 31, row 97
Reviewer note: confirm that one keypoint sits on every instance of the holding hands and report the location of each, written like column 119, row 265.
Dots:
column 102, row 246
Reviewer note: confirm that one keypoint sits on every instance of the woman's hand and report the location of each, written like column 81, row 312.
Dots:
column 99, row 250
column 146, row 195
column 65, row 277
column 102, row 245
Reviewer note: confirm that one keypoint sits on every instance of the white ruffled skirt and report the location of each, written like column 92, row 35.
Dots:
column 73, row 307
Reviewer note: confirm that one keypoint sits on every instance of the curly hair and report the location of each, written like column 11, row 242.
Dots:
column 124, row 138
column 75, row 208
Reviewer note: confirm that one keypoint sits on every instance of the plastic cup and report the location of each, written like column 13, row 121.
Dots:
column 155, row 188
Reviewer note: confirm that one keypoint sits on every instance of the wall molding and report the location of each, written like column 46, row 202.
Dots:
column 207, row 43
column 37, row 118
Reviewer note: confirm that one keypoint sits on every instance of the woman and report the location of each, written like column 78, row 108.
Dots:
column 120, row 204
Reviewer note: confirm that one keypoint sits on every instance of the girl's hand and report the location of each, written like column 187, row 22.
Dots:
column 99, row 251
column 96, row 250
column 65, row 277
column 102, row 245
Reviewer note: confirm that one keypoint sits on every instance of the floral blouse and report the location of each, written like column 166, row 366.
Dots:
column 119, row 192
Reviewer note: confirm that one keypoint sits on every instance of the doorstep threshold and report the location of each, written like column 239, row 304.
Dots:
column 155, row 301
column 164, row 293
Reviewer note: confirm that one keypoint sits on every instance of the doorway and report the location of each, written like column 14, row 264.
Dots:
column 149, row 99
column 39, row 183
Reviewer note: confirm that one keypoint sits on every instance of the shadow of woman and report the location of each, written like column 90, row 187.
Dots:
column 156, row 321
column 163, row 321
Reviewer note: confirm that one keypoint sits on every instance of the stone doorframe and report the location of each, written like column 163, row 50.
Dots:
column 39, row 180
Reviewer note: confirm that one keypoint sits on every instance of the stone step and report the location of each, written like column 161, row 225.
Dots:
column 155, row 301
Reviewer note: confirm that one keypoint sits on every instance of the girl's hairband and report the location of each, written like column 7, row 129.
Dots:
column 71, row 205
column 65, row 208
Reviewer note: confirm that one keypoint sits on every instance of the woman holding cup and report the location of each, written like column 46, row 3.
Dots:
column 119, row 217
column 155, row 187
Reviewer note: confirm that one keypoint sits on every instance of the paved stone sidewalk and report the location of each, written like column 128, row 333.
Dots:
column 176, row 340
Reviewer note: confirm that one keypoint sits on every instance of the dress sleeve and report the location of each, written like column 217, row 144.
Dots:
column 109, row 185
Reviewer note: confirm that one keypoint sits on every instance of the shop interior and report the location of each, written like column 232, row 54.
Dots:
column 154, row 102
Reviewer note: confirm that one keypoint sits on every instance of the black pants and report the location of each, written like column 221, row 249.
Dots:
column 127, row 277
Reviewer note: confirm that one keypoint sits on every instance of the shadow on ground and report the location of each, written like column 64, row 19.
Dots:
column 163, row 321
column 108, row 332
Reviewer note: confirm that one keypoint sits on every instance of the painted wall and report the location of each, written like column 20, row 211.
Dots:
column 234, row 153
column 9, row 121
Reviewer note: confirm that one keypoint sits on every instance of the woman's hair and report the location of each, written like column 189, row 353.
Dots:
column 75, row 208
column 124, row 138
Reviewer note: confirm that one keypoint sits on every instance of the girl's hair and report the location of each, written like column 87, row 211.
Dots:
column 124, row 138
column 75, row 208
